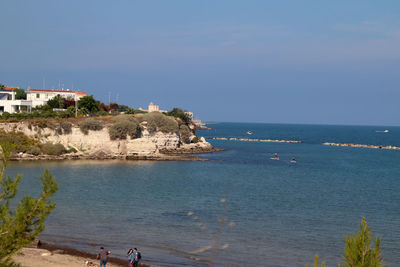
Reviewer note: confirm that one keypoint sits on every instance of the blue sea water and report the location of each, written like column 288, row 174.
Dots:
column 277, row 213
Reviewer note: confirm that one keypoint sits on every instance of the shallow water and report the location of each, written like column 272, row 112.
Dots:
column 281, row 214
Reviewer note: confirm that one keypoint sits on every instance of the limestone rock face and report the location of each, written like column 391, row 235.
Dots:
column 97, row 144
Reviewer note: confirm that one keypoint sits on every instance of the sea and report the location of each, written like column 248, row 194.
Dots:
column 239, row 208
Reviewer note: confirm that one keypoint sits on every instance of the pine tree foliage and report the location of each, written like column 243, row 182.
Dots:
column 316, row 258
column 18, row 228
column 358, row 251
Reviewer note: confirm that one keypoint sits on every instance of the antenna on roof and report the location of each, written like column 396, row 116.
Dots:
column 109, row 98
column 116, row 98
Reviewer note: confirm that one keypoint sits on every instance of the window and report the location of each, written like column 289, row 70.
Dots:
column 37, row 95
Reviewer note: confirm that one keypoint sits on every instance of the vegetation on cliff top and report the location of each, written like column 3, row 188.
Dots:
column 90, row 124
column 123, row 126
column 159, row 122
column 119, row 128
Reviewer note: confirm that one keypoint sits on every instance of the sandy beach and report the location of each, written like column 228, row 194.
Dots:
column 33, row 257
column 51, row 256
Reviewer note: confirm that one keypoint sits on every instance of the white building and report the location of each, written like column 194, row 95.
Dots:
column 34, row 98
column 153, row 108
column 41, row 96
column 9, row 104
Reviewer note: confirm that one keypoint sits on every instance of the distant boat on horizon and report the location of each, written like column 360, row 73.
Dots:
column 385, row 131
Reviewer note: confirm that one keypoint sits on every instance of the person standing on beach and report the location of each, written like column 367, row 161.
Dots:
column 131, row 257
column 137, row 257
column 103, row 257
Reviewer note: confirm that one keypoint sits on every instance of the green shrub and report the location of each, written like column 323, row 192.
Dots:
column 123, row 126
column 5, row 115
column 195, row 140
column 66, row 126
column 179, row 113
column 59, row 130
column 90, row 124
column 19, row 141
column 185, row 133
column 33, row 150
column 102, row 113
column 124, row 117
column 52, row 149
column 160, row 122
column 42, row 124
column 134, row 111
column 71, row 150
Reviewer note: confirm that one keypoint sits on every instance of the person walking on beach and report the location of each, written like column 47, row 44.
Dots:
column 103, row 257
column 137, row 257
column 131, row 257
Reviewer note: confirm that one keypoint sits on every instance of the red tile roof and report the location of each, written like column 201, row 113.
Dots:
column 6, row 88
column 58, row 91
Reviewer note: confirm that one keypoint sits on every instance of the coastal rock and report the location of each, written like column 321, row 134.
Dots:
column 97, row 144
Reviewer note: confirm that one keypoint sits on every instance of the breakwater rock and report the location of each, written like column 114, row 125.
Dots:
column 360, row 145
column 256, row 140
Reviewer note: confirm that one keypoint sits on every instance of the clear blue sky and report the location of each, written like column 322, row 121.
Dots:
column 322, row 61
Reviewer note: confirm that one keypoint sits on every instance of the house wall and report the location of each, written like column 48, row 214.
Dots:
column 9, row 104
column 41, row 98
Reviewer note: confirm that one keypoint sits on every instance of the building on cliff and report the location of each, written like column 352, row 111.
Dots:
column 153, row 108
column 9, row 104
column 34, row 97
column 41, row 96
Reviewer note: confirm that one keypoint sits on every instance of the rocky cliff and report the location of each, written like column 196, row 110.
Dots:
column 97, row 144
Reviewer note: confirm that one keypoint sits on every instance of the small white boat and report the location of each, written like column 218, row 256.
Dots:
column 385, row 131
column 249, row 132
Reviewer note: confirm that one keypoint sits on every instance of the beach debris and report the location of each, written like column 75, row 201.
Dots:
column 225, row 246
column 45, row 254
column 91, row 264
column 58, row 251
column 201, row 250
column 190, row 213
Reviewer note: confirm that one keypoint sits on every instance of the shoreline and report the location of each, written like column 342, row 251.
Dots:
column 167, row 155
column 58, row 254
